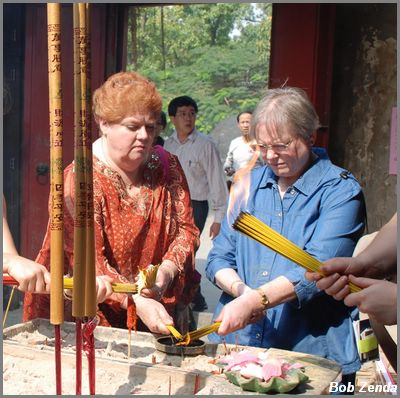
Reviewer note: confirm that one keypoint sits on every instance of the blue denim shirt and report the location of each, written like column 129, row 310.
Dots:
column 323, row 212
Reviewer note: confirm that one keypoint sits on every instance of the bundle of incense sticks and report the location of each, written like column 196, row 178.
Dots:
column 194, row 335
column 174, row 332
column 117, row 287
column 69, row 284
column 252, row 227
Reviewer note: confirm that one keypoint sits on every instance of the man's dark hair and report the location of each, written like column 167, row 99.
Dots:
column 242, row 113
column 181, row 101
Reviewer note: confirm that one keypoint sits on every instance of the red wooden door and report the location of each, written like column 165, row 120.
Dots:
column 35, row 144
column 301, row 54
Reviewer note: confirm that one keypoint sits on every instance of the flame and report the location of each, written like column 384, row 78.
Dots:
column 240, row 189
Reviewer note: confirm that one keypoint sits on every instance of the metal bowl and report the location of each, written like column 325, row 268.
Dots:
column 168, row 345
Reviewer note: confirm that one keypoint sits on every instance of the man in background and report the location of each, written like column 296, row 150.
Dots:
column 241, row 152
column 201, row 163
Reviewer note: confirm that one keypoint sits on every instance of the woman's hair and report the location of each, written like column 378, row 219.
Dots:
column 286, row 108
column 124, row 94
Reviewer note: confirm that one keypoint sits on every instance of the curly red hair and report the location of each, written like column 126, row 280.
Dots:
column 124, row 94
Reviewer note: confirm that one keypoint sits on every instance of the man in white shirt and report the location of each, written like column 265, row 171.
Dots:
column 201, row 163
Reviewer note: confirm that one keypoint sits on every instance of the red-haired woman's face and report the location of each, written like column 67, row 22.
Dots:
column 129, row 142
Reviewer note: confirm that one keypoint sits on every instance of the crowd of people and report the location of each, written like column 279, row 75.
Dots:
column 151, row 202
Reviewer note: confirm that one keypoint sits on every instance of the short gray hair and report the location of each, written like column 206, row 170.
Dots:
column 286, row 107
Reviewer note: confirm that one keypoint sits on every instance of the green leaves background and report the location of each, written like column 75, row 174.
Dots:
column 216, row 53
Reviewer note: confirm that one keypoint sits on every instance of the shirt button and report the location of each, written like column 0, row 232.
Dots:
column 265, row 273
column 258, row 336
column 279, row 214
column 293, row 191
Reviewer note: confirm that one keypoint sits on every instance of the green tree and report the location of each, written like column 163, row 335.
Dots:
column 216, row 53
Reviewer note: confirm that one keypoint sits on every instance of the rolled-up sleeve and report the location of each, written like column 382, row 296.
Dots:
column 222, row 254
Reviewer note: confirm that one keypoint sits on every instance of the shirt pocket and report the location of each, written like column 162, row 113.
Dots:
column 195, row 168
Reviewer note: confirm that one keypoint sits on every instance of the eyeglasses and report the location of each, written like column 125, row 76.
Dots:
column 184, row 115
column 274, row 147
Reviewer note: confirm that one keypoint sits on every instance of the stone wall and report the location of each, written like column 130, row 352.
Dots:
column 363, row 95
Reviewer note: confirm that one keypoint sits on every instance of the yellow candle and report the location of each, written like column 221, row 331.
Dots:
column 56, row 164
column 80, row 216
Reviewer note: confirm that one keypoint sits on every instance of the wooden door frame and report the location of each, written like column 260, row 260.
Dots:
column 302, row 38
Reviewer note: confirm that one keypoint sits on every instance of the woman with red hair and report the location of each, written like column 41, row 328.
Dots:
column 141, row 207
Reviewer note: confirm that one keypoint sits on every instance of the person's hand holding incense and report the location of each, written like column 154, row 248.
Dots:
column 103, row 288
column 153, row 314
column 250, row 306
column 378, row 299
column 31, row 277
column 334, row 279
column 165, row 275
column 377, row 260
column 237, row 314
column 358, row 266
column 334, row 282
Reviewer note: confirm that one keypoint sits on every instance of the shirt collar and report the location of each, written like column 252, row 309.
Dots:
column 191, row 137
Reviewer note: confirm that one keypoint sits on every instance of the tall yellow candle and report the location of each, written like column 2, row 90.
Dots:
column 78, row 297
column 90, row 286
column 56, row 164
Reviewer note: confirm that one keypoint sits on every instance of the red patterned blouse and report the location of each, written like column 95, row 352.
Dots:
column 131, row 233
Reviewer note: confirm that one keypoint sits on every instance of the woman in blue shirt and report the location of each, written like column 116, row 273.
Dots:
column 266, row 300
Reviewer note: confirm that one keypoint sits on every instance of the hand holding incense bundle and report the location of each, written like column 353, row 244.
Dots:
column 147, row 279
column 252, row 227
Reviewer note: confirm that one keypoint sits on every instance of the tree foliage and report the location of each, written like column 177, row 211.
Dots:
column 216, row 53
